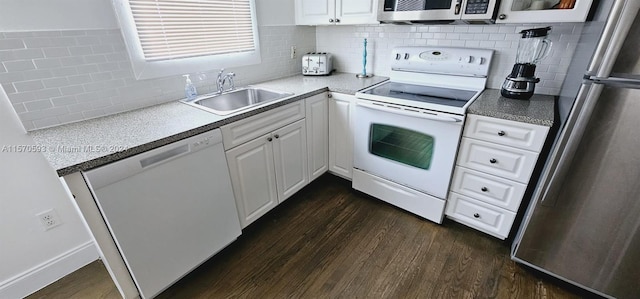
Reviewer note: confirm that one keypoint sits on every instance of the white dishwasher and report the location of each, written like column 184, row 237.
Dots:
column 168, row 209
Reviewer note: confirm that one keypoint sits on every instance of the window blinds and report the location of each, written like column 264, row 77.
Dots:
column 191, row 28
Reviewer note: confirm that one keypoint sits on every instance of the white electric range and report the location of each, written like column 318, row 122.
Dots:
column 407, row 129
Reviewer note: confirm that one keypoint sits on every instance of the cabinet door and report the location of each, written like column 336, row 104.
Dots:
column 541, row 11
column 317, row 135
column 341, row 107
column 315, row 12
column 253, row 178
column 290, row 157
column 350, row 12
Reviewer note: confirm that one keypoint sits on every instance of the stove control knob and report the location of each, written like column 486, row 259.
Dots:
column 398, row 56
column 467, row 59
column 406, row 56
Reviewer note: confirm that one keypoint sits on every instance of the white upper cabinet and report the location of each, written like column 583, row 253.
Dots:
column 339, row 12
column 349, row 12
column 543, row 11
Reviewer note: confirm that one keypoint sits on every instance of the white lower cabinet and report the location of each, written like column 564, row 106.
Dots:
column 268, row 170
column 494, row 165
column 267, row 158
column 253, row 178
column 341, row 108
column 317, row 115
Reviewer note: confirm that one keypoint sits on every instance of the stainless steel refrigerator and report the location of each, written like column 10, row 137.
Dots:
column 583, row 223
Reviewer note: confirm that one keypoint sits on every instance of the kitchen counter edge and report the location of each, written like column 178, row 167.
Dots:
column 538, row 110
column 82, row 154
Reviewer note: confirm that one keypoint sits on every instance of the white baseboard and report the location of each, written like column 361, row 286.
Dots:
column 48, row 272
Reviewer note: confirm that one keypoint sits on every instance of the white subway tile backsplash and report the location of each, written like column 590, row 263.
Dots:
column 11, row 44
column 28, row 85
column 55, row 82
column 346, row 45
column 46, row 122
column 38, row 105
column 27, row 54
column 19, row 65
column 19, row 108
column 47, row 63
column 72, row 90
column 64, row 71
column 64, row 101
column 56, row 52
column 8, row 88
column 80, row 74
column 36, row 74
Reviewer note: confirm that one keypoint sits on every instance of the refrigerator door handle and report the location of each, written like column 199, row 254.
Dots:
column 620, row 21
column 623, row 81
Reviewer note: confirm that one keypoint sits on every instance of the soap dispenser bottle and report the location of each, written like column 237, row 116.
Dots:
column 189, row 89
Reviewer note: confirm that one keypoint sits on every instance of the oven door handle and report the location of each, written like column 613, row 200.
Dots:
column 418, row 113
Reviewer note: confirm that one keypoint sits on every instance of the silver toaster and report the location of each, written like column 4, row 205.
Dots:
column 317, row 64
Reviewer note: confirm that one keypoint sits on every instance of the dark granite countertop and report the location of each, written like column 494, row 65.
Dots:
column 92, row 143
column 539, row 110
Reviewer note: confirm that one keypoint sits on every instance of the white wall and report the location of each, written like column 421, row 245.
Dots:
column 36, row 15
column 30, row 256
column 275, row 12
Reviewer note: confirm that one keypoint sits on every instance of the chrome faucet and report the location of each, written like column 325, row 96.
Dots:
column 222, row 78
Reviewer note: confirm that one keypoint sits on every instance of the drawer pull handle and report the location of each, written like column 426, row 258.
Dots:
column 484, row 189
column 501, row 133
column 476, row 215
column 493, row 161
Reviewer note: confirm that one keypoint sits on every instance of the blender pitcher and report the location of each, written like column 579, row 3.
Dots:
column 532, row 47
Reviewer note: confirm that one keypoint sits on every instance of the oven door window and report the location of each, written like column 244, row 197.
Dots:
column 401, row 145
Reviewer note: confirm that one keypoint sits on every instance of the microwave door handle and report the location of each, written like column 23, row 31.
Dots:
column 411, row 113
column 457, row 7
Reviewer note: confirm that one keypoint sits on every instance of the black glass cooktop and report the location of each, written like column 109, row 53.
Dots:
column 425, row 94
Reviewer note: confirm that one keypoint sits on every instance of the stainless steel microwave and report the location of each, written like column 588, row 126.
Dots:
column 443, row 11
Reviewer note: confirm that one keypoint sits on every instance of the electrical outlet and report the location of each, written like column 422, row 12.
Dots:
column 293, row 52
column 49, row 219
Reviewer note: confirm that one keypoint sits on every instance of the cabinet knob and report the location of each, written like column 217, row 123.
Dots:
column 502, row 133
column 484, row 189
column 337, row 20
column 330, row 20
column 493, row 161
column 476, row 215
column 329, row 96
column 502, row 16
column 269, row 139
column 276, row 136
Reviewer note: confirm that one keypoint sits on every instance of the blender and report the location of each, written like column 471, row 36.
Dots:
column 532, row 47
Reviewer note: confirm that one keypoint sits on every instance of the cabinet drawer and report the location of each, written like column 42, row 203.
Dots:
column 479, row 215
column 512, row 133
column 491, row 189
column 247, row 129
column 503, row 161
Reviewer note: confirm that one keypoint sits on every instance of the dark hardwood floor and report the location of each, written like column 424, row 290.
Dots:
column 329, row 241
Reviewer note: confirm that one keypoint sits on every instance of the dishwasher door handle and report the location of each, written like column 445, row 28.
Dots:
column 166, row 155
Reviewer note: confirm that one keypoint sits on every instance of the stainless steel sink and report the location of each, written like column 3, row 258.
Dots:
column 236, row 100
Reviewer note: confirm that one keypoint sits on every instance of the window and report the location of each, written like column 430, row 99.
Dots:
column 170, row 37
